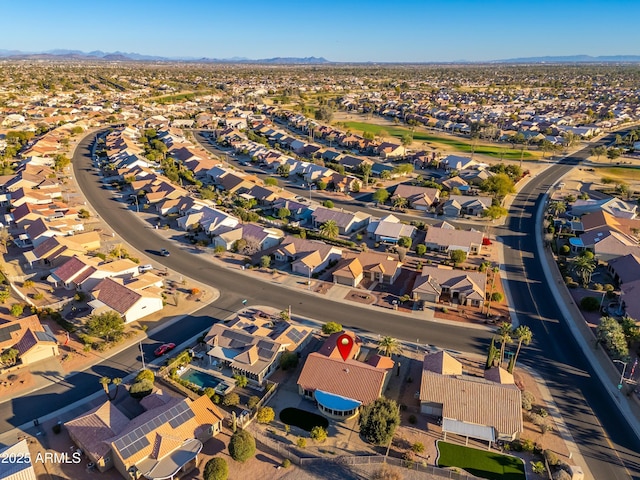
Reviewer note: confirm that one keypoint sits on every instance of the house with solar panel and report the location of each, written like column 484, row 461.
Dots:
column 251, row 345
column 162, row 443
column 340, row 387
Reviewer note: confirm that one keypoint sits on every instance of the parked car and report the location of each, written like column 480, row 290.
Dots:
column 162, row 349
column 145, row 268
column 164, row 252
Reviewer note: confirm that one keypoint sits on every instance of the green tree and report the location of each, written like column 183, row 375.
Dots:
column 107, row 325
column 494, row 212
column 331, row 327
column 421, row 249
column 265, row 261
column 265, row 415
column 283, row 170
column 283, row 213
column 9, row 357
column 145, row 375
column 231, row 399
column 631, row 329
column 378, row 421
column 328, row 204
column 458, row 256
column 4, row 295
column 611, row 334
column 407, row 139
column 329, row 229
column 613, row 153
column 598, row 151
column 105, row 381
column 253, row 401
column 400, row 202
column 60, row 162
column 288, row 360
column 584, row 266
column 389, row 346
column 500, row 185
column 141, row 389
column 242, row 446
column 319, row 434
column 405, row 242
column 557, row 207
column 524, row 335
column 16, row 310
column 365, row 170
column 504, row 337
column 380, row 196
column 590, row 304
column 492, row 354
column 241, row 381
column 216, row 469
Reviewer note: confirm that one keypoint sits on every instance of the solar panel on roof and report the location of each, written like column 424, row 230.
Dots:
column 5, row 333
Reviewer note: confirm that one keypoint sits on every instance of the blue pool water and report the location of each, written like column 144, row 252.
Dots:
column 203, row 380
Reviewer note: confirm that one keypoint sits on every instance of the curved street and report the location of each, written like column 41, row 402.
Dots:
column 605, row 440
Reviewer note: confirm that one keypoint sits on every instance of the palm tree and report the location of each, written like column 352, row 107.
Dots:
column 495, row 271
column 366, row 169
column 5, row 236
column 329, row 229
column 584, row 266
column 558, row 207
column 504, row 337
column 524, row 335
column 389, row 346
column 116, row 381
column 400, row 202
column 105, row 381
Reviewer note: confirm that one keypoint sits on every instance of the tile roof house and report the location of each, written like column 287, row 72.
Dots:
column 57, row 250
column 446, row 239
column 389, row 229
column 83, row 273
column 256, row 357
column 614, row 206
column 291, row 337
column 470, row 406
column 376, row 267
column 456, row 162
column 341, row 387
column 347, row 222
column 131, row 304
column 466, row 205
column 441, row 283
column 306, row 256
column 419, row 198
column 211, row 220
column 33, row 341
column 262, row 238
column 158, row 444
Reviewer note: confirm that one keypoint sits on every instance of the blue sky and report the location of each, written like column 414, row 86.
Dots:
column 339, row 30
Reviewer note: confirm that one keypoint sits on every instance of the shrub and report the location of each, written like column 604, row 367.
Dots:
column 412, row 419
column 598, row 286
column 286, row 463
column 145, row 375
column 216, row 469
column 331, row 327
column 527, row 445
column 265, row 415
column 195, row 291
column 209, row 392
column 609, row 288
column 141, row 389
column 28, row 284
column 590, row 304
column 417, row 447
column 242, row 446
column 538, row 467
column 301, row 442
column 387, row 473
column 543, row 413
column 231, row 399
column 319, row 434
column 241, row 381
column 17, row 310
column 38, row 296
column 527, row 400
column 288, row 360
column 551, row 458
column 253, row 401
column 496, row 297
column 565, row 250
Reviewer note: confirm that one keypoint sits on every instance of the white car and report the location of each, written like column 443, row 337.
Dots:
column 145, row 268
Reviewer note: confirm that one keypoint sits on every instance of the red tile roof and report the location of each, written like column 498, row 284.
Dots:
column 351, row 379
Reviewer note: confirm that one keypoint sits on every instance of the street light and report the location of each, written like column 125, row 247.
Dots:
column 142, row 356
column 624, row 369
column 309, row 281
column 136, row 199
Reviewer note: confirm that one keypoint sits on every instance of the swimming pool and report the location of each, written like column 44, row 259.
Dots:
column 203, row 380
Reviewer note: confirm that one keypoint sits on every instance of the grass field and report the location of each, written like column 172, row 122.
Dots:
column 620, row 173
column 481, row 463
column 422, row 136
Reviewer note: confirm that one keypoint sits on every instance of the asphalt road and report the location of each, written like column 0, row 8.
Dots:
column 606, row 441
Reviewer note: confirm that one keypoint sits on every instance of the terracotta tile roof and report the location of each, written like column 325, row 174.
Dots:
column 163, row 445
column 442, row 363
column 91, row 430
column 351, row 379
column 474, row 400
column 115, row 296
column 70, row 269
column 499, row 375
column 330, row 348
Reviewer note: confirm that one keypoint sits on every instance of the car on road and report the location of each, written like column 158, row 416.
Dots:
column 164, row 252
column 145, row 268
column 164, row 348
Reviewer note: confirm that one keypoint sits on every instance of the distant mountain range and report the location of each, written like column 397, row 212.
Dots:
column 124, row 57
column 137, row 57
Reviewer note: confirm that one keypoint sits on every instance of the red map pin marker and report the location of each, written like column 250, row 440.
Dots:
column 345, row 344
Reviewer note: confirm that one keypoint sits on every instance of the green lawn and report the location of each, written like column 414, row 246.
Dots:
column 303, row 419
column 481, row 463
column 621, row 173
column 422, row 136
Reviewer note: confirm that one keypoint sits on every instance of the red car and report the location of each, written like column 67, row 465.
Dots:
column 162, row 349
